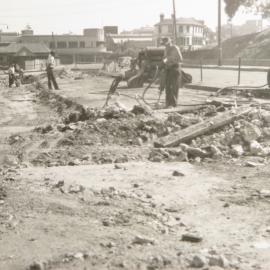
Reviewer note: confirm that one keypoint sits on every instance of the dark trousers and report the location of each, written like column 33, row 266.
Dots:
column 172, row 84
column 11, row 80
column 51, row 79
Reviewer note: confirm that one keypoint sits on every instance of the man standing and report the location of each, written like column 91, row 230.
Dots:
column 11, row 75
column 50, row 74
column 172, row 61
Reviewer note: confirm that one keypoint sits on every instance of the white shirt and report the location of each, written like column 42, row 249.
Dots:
column 11, row 70
column 51, row 61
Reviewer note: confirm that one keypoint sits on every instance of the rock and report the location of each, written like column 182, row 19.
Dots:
column 215, row 152
column 137, row 141
column 192, row 238
column 266, row 117
column 253, row 164
column 79, row 256
column 36, row 266
column 218, row 260
column 237, row 150
column 249, row 132
column 256, row 148
column 65, row 142
column 140, row 240
column 266, row 132
column 118, row 167
column 59, row 184
column 194, row 152
column 75, row 162
column 265, row 193
column 257, row 122
column 198, row 261
column 101, row 120
column 178, row 173
column 74, row 189
column 61, row 127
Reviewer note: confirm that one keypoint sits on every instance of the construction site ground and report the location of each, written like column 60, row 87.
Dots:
column 99, row 203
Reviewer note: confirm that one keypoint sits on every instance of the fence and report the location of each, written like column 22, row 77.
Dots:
column 238, row 68
column 38, row 64
column 229, row 62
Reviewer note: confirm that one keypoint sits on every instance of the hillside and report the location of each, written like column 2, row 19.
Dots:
column 254, row 46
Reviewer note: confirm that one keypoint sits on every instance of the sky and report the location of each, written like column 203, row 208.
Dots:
column 64, row 16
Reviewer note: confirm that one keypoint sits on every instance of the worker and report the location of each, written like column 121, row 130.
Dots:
column 11, row 75
column 50, row 73
column 172, row 71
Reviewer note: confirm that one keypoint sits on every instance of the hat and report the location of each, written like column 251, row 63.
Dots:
column 165, row 41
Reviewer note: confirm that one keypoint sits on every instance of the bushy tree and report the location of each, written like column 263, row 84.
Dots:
column 256, row 6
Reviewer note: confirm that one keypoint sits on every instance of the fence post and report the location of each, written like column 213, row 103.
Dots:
column 201, row 68
column 239, row 70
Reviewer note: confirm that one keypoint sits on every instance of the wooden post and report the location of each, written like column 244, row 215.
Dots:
column 201, row 68
column 239, row 70
column 219, row 35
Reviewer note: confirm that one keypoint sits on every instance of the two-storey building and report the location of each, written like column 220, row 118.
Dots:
column 190, row 32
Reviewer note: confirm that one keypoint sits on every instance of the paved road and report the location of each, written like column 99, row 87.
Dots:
column 222, row 78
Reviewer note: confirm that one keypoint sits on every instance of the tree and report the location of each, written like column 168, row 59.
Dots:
column 256, row 6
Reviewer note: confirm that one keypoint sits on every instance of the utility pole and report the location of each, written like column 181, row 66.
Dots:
column 174, row 23
column 219, row 35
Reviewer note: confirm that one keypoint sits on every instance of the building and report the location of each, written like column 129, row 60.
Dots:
column 230, row 30
column 29, row 56
column 190, row 32
column 133, row 40
column 70, row 48
column 129, row 42
column 110, row 30
column 8, row 37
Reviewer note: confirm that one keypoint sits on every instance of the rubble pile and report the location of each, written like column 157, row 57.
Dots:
column 248, row 136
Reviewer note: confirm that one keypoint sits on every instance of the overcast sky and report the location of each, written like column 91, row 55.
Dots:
column 62, row 16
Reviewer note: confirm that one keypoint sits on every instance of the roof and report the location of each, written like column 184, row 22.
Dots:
column 182, row 21
column 35, row 48
column 129, row 38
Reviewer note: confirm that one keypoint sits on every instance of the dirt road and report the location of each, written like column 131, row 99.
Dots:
column 130, row 215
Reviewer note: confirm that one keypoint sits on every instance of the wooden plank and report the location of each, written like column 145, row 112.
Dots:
column 182, row 109
column 211, row 124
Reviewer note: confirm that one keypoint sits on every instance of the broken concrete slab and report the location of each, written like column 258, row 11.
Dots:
column 202, row 128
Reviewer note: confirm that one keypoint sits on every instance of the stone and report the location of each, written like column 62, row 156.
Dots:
column 178, row 174
column 193, row 151
column 265, row 193
column 192, row 238
column 237, row 150
column 266, row 117
column 218, row 260
column 253, row 164
column 215, row 152
column 101, row 120
column 257, row 122
column 249, row 132
column 36, row 266
column 140, row 240
column 266, row 132
column 256, row 148
column 74, row 189
column 198, row 261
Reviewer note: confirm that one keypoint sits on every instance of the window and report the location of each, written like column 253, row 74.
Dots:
column 82, row 44
column 61, row 45
column 188, row 29
column 181, row 30
column 73, row 44
column 52, row 45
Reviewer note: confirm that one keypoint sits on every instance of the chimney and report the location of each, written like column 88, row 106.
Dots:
column 162, row 16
